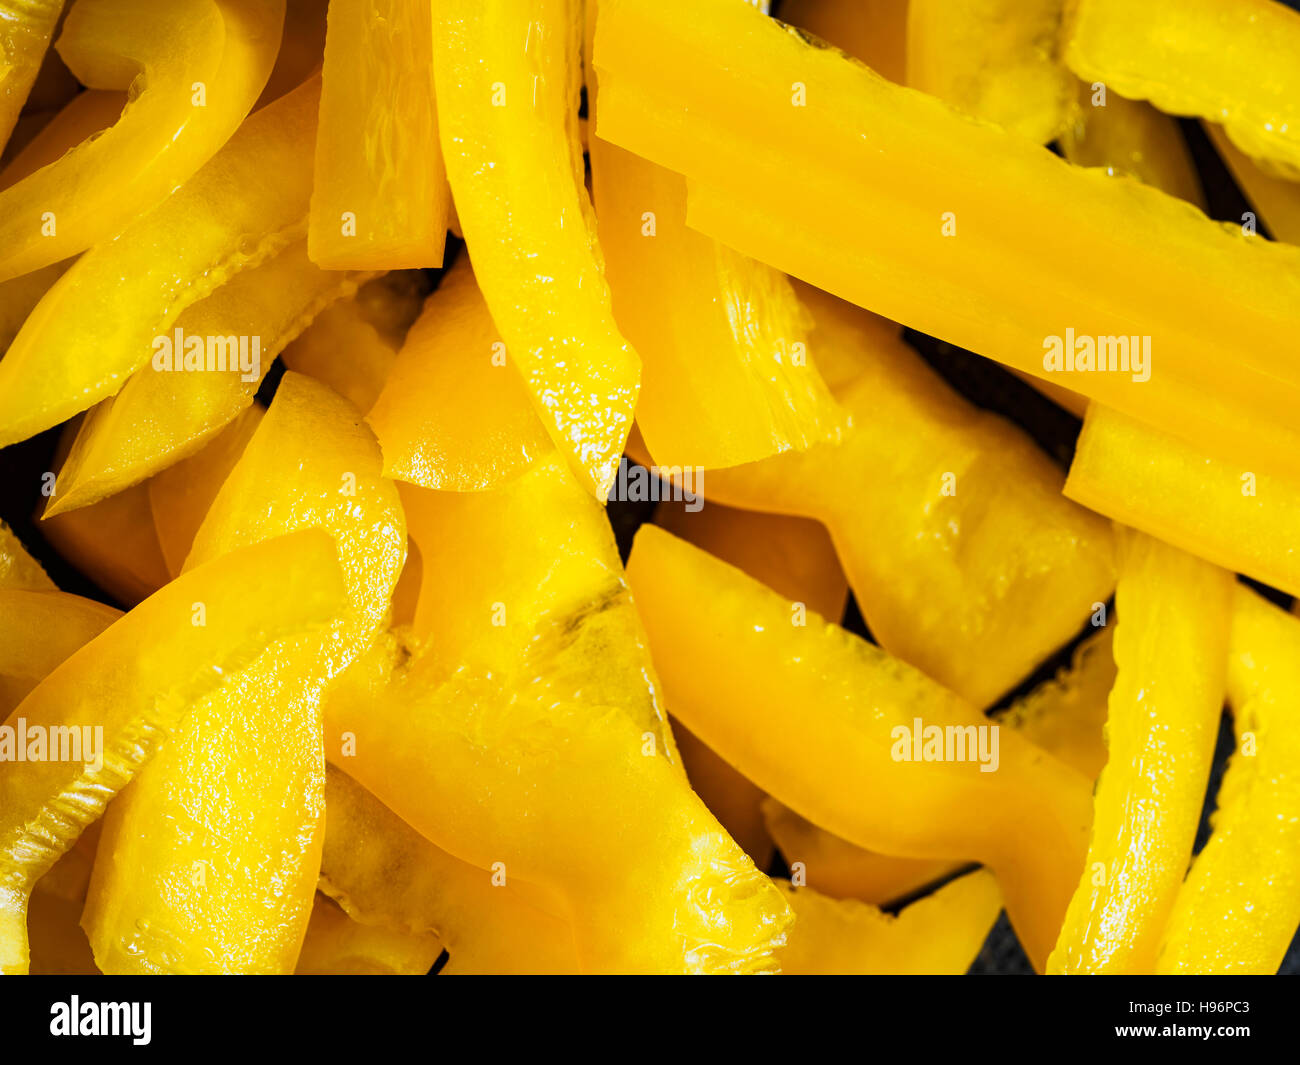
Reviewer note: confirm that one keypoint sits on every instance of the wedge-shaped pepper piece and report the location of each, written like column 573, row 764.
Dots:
column 947, row 519
column 209, row 861
column 202, row 374
column 1231, row 61
column 566, row 795
column 939, row 935
column 194, row 67
column 26, row 27
column 556, row 601
column 845, row 765
column 994, row 59
column 385, row 874
column 336, row 945
column 251, row 598
column 1238, row 517
column 1171, row 647
column 880, row 220
column 874, row 31
column 38, row 631
column 454, row 414
column 1277, row 199
column 508, row 80
column 18, row 570
column 380, row 198
column 1238, row 909
column 727, row 374
column 98, row 324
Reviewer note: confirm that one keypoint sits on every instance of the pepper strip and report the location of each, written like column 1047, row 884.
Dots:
column 97, row 324
column 26, row 27
column 508, row 78
column 194, row 67
column 1238, row 909
column 252, row 598
column 868, row 222
column 1171, row 647
column 811, row 714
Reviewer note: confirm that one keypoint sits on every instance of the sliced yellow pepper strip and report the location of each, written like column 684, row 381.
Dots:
column 454, row 414
column 38, row 631
column 874, row 31
column 881, row 221
column 18, row 570
column 1238, row 909
column 380, row 198
column 26, row 27
column 939, row 935
column 209, row 862
column 995, row 59
column 1171, row 648
column 194, row 67
column 170, row 407
column 383, row 872
column 746, row 669
column 1277, row 199
column 1229, row 61
column 251, row 597
column 1238, row 517
column 508, row 79
column 98, row 324
column 336, row 945
column 954, row 529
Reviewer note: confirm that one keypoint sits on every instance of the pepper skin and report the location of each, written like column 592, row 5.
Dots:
column 168, row 55
column 1171, row 648
column 26, row 27
column 252, row 598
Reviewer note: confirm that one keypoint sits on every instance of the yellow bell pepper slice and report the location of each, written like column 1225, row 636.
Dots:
column 1238, row 909
column 939, row 935
column 954, row 530
column 874, row 31
column 995, row 59
column 1238, row 517
column 1171, row 649
column 18, row 570
column 881, row 222
column 1230, row 61
column 38, row 631
column 753, row 667
column 384, row 873
column 1277, row 199
column 508, row 80
column 454, row 414
column 209, row 861
column 195, row 68
column 168, row 410
column 380, row 198
column 98, row 324
column 26, row 27
column 336, row 945
column 252, row 598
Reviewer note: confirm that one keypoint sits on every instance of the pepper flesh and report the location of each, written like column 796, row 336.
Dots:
column 508, row 79
column 97, row 324
column 750, row 673
column 869, row 223
column 1171, row 646
column 173, row 58
column 26, row 27
column 38, row 631
column 1238, row 909
column 252, row 597
column 336, row 945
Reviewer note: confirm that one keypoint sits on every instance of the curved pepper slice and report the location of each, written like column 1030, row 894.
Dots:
column 194, row 67
column 874, row 31
column 170, row 407
column 383, row 872
column 336, row 945
column 939, row 935
column 252, row 598
column 812, row 715
column 26, row 27
column 994, row 59
column 18, row 570
column 1171, row 648
column 38, row 631
column 1231, row 61
column 209, row 861
column 1238, row 909
column 97, row 325
column 508, row 79
column 953, row 530
column 380, row 198
column 454, row 415
column 880, row 220
column 1276, row 199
